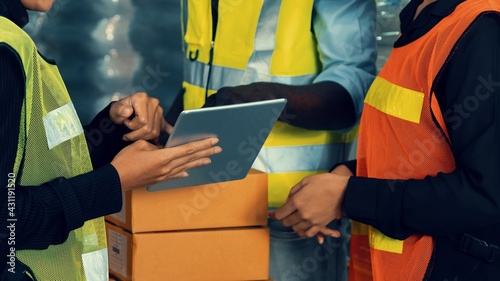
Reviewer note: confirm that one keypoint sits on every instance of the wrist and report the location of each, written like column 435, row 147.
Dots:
column 339, row 186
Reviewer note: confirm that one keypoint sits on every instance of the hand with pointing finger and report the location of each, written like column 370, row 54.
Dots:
column 142, row 114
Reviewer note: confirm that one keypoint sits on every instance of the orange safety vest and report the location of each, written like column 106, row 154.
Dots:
column 403, row 136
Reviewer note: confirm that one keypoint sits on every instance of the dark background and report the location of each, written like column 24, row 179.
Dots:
column 108, row 49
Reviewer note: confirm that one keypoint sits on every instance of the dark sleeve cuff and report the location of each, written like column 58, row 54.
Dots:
column 99, row 192
column 378, row 203
column 351, row 165
column 104, row 138
column 359, row 200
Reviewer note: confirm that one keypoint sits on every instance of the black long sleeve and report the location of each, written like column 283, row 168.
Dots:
column 320, row 106
column 104, row 138
column 468, row 199
column 46, row 213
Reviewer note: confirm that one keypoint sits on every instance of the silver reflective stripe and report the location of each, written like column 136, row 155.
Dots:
column 284, row 159
column 61, row 124
column 95, row 265
column 258, row 67
column 197, row 72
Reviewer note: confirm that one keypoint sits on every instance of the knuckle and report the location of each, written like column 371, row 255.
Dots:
column 190, row 149
column 148, row 127
column 303, row 215
column 154, row 101
column 142, row 95
column 192, row 158
column 296, row 203
column 142, row 119
column 165, row 158
column 310, row 234
column 141, row 143
column 166, row 170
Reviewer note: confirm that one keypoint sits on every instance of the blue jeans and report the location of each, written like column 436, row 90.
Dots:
column 293, row 258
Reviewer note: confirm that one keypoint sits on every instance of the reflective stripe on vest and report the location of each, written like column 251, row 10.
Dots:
column 289, row 53
column 359, row 260
column 274, row 45
column 402, row 136
column 51, row 145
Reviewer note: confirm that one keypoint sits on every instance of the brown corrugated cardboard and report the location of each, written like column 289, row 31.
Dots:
column 227, row 204
column 217, row 254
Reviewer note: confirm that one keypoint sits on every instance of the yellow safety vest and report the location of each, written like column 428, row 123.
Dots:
column 51, row 145
column 290, row 153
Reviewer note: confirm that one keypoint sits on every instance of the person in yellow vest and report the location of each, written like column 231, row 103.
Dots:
column 427, row 184
column 320, row 56
column 60, row 178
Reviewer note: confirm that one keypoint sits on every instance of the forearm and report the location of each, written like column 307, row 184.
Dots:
column 467, row 199
column 46, row 214
column 443, row 205
column 320, row 106
column 345, row 32
column 104, row 138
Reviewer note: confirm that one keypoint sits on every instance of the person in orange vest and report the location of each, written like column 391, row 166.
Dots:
column 59, row 177
column 427, row 184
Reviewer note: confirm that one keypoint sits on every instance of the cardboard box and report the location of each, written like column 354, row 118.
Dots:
column 228, row 204
column 217, row 254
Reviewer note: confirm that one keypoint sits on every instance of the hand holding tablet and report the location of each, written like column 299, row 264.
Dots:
column 242, row 130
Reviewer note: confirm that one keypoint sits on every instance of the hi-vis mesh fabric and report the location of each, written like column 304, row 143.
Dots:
column 295, row 57
column 399, row 139
column 45, row 92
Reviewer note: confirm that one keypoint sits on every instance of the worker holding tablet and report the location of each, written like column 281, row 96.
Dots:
column 320, row 56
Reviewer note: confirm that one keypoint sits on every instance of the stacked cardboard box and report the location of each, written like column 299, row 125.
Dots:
column 207, row 232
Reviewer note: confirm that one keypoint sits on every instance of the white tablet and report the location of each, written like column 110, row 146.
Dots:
column 242, row 129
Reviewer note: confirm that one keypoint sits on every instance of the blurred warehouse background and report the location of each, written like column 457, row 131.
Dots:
column 107, row 49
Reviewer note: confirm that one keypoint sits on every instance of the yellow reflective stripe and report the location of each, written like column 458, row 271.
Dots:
column 395, row 100
column 383, row 243
column 358, row 228
column 235, row 42
column 286, row 135
column 295, row 52
column 199, row 30
column 196, row 96
column 280, row 185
